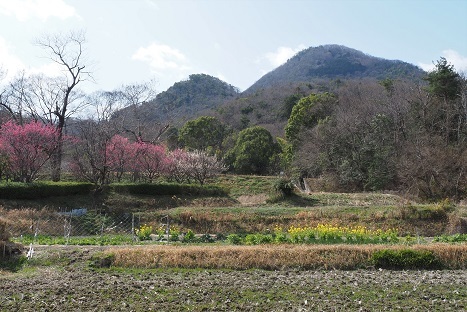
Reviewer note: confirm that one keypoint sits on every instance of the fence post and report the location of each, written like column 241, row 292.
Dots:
column 133, row 226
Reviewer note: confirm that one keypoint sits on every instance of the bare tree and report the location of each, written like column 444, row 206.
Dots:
column 136, row 97
column 68, row 52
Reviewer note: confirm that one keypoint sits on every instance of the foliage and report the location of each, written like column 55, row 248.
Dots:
column 13, row 264
column 405, row 259
column 189, row 237
column 204, row 134
column 234, row 239
column 307, row 113
column 253, row 151
column 455, row 238
column 144, row 232
column 96, row 240
column 444, row 81
column 321, row 234
column 43, row 189
column 326, row 233
column 167, row 189
column 284, row 186
column 188, row 98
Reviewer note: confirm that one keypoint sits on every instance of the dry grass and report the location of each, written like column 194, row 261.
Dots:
column 4, row 234
column 271, row 257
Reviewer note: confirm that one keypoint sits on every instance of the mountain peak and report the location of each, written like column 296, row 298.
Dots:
column 334, row 61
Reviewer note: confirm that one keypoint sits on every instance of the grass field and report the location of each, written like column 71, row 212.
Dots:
column 219, row 276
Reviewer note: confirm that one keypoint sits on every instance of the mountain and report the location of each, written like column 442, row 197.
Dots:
column 335, row 62
column 268, row 101
column 188, row 99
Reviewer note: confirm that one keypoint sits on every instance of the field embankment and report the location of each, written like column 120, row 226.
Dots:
column 279, row 257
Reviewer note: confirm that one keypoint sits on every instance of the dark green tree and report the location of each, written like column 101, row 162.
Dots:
column 253, row 151
column 204, row 134
column 307, row 113
column 444, row 84
column 444, row 81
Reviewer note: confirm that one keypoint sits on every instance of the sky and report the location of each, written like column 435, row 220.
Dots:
column 237, row 41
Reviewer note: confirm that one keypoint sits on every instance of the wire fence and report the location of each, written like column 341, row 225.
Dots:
column 35, row 226
column 31, row 227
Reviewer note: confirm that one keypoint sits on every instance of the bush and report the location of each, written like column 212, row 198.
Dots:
column 258, row 239
column 144, row 232
column 39, row 190
column 284, row 186
column 234, row 239
column 405, row 259
column 189, row 237
column 168, row 189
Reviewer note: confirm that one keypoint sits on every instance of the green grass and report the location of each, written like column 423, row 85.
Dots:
column 75, row 240
column 246, row 185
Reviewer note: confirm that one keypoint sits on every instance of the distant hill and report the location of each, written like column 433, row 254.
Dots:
column 188, row 99
column 267, row 102
column 332, row 62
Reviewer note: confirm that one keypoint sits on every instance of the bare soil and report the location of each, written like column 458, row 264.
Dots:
column 69, row 283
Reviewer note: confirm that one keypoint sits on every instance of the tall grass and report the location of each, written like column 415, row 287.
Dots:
column 272, row 257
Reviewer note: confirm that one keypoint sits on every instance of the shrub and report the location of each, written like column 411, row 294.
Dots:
column 456, row 238
column 39, row 190
column 206, row 238
column 189, row 237
column 144, row 232
column 405, row 259
column 284, row 186
column 174, row 234
column 168, row 189
column 234, row 239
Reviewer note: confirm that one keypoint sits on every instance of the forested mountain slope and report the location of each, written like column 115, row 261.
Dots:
column 268, row 102
column 332, row 62
column 188, row 99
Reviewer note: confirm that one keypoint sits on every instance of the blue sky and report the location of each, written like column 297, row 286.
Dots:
column 238, row 41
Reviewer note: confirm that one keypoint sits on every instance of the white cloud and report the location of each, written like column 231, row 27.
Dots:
column 282, row 54
column 12, row 65
column 9, row 62
column 24, row 10
column 49, row 70
column 453, row 57
column 162, row 57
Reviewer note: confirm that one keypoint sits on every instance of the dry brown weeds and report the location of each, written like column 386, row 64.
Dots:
column 271, row 257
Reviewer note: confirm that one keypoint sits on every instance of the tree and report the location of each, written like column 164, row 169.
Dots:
column 253, row 151
column 200, row 166
column 68, row 52
column 202, row 134
column 445, row 84
column 193, row 166
column 134, row 97
column 150, row 160
column 307, row 113
column 27, row 148
column 90, row 153
column 121, row 155
column 89, row 157
column 355, row 144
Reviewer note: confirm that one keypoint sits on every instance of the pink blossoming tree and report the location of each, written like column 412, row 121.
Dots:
column 27, row 148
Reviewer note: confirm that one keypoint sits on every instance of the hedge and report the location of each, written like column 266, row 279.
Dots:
column 39, row 190
column 167, row 189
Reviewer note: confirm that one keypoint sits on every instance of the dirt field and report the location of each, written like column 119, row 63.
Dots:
column 70, row 284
